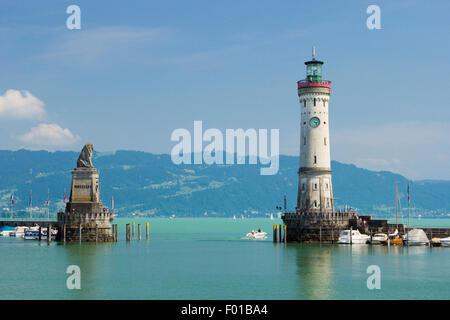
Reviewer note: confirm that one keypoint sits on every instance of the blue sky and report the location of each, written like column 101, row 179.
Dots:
column 137, row 70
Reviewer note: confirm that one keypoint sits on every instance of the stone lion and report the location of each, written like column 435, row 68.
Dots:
column 85, row 158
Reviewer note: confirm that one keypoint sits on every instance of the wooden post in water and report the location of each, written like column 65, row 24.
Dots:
column 332, row 235
column 320, row 234
column 64, row 233
column 351, row 235
column 146, row 230
column 128, row 232
column 114, row 232
column 133, row 229
column 275, row 233
column 279, row 233
column 40, row 233
column 117, row 233
column 49, row 233
column 79, row 232
column 139, row 231
column 285, row 234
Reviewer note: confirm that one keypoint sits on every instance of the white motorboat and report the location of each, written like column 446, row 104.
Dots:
column 6, row 233
column 256, row 234
column 20, row 231
column 445, row 242
column 416, row 237
column 377, row 238
column 353, row 237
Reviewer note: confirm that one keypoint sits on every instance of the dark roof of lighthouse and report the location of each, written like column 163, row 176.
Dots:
column 313, row 61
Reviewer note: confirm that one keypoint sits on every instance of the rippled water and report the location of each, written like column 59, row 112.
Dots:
column 209, row 259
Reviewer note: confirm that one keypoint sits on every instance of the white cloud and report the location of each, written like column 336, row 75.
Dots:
column 49, row 135
column 15, row 104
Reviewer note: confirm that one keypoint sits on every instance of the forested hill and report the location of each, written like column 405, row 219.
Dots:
column 149, row 184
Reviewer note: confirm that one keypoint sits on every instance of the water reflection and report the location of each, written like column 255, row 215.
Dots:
column 314, row 270
column 90, row 257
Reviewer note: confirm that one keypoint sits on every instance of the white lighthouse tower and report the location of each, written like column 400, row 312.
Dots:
column 315, row 193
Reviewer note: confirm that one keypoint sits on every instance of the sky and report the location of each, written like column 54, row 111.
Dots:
column 138, row 70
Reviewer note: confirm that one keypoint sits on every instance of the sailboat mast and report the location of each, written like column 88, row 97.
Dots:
column 31, row 204
column 408, row 202
column 396, row 207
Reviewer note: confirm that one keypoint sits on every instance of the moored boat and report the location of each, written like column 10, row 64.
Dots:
column 445, row 242
column 378, row 238
column 416, row 237
column 6, row 231
column 353, row 237
column 20, row 231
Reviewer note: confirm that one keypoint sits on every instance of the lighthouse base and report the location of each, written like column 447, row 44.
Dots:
column 317, row 227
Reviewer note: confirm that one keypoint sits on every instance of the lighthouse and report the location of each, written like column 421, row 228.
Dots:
column 315, row 220
column 315, row 193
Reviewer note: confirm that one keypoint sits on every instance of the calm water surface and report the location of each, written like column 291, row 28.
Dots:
column 188, row 258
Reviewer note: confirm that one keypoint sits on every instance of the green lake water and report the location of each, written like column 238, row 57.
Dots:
column 208, row 258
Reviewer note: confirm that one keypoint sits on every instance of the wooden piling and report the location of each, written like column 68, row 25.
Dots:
column 146, row 230
column 285, row 234
column 79, row 232
column 128, row 232
column 139, row 231
column 117, row 233
column 64, row 233
column 133, row 229
column 275, row 233
column 332, row 235
column 40, row 233
column 351, row 235
column 96, row 232
column 320, row 234
column 279, row 233
column 49, row 233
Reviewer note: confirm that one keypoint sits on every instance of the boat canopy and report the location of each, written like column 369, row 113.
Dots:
column 417, row 235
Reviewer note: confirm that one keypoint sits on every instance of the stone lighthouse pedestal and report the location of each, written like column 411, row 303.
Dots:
column 85, row 218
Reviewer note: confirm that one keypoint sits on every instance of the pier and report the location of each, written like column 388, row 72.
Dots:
column 325, row 228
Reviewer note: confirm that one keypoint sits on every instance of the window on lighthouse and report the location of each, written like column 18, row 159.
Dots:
column 314, row 102
column 304, row 141
column 325, row 141
column 315, row 159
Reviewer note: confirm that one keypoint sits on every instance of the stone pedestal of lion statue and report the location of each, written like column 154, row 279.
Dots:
column 85, row 218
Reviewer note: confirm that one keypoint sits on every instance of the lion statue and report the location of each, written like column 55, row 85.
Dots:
column 85, row 158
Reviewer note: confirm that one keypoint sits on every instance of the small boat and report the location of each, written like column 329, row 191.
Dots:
column 20, row 231
column 445, row 242
column 31, row 234
column 271, row 216
column 436, row 242
column 378, row 238
column 416, row 237
column 353, row 237
column 44, row 233
column 234, row 217
column 256, row 234
column 6, row 231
